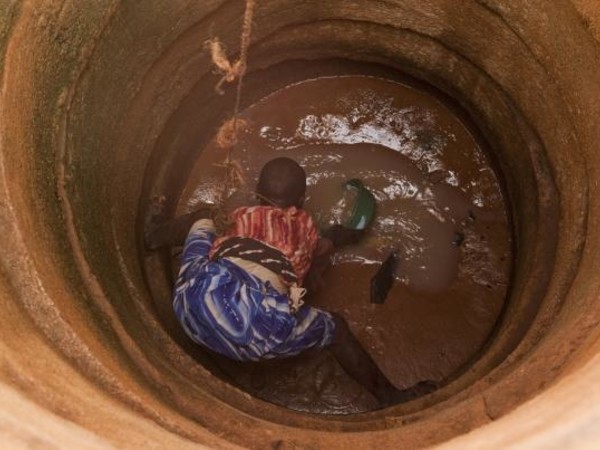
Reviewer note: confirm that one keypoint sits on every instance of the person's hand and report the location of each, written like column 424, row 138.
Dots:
column 340, row 236
column 325, row 249
column 173, row 232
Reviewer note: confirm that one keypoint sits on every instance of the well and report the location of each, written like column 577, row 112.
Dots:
column 89, row 100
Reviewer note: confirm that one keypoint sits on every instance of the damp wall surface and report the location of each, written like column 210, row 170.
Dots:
column 90, row 94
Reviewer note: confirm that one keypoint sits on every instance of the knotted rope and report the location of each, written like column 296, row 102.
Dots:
column 228, row 134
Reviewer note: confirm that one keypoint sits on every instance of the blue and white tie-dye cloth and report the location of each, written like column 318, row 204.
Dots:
column 232, row 312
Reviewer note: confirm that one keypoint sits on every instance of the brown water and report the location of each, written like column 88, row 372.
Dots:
column 439, row 206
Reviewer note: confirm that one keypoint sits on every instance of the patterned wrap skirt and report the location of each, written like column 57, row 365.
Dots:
column 234, row 313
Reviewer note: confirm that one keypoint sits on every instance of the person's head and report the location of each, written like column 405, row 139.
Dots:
column 282, row 182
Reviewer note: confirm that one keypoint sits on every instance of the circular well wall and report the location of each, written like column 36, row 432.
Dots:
column 88, row 98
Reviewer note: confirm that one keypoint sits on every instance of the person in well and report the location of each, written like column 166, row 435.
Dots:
column 242, row 294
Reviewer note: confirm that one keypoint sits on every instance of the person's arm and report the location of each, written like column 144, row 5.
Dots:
column 332, row 239
column 341, row 236
column 320, row 263
column 198, row 243
column 174, row 232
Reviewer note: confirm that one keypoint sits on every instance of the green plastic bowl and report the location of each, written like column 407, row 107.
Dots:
column 364, row 207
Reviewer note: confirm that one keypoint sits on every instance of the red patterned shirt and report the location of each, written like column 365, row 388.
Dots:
column 290, row 230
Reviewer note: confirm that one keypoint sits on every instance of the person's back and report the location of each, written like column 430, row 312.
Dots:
column 276, row 240
column 290, row 230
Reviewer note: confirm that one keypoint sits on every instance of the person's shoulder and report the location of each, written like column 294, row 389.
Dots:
column 246, row 209
column 300, row 214
column 262, row 209
column 295, row 211
column 257, row 211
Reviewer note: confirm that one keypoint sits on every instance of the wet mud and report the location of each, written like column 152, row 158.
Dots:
column 440, row 208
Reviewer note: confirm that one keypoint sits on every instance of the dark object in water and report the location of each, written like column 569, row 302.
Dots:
column 458, row 239
column 381, row 283
column 437, row 176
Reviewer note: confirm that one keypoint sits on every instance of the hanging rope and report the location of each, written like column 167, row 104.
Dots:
column 244, row 46
column 227, row 136
column 230, row 72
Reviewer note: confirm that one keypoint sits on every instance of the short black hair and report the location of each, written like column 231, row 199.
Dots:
column 282, row 182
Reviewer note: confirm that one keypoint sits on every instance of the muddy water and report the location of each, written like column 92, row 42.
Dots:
column 439, row 207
